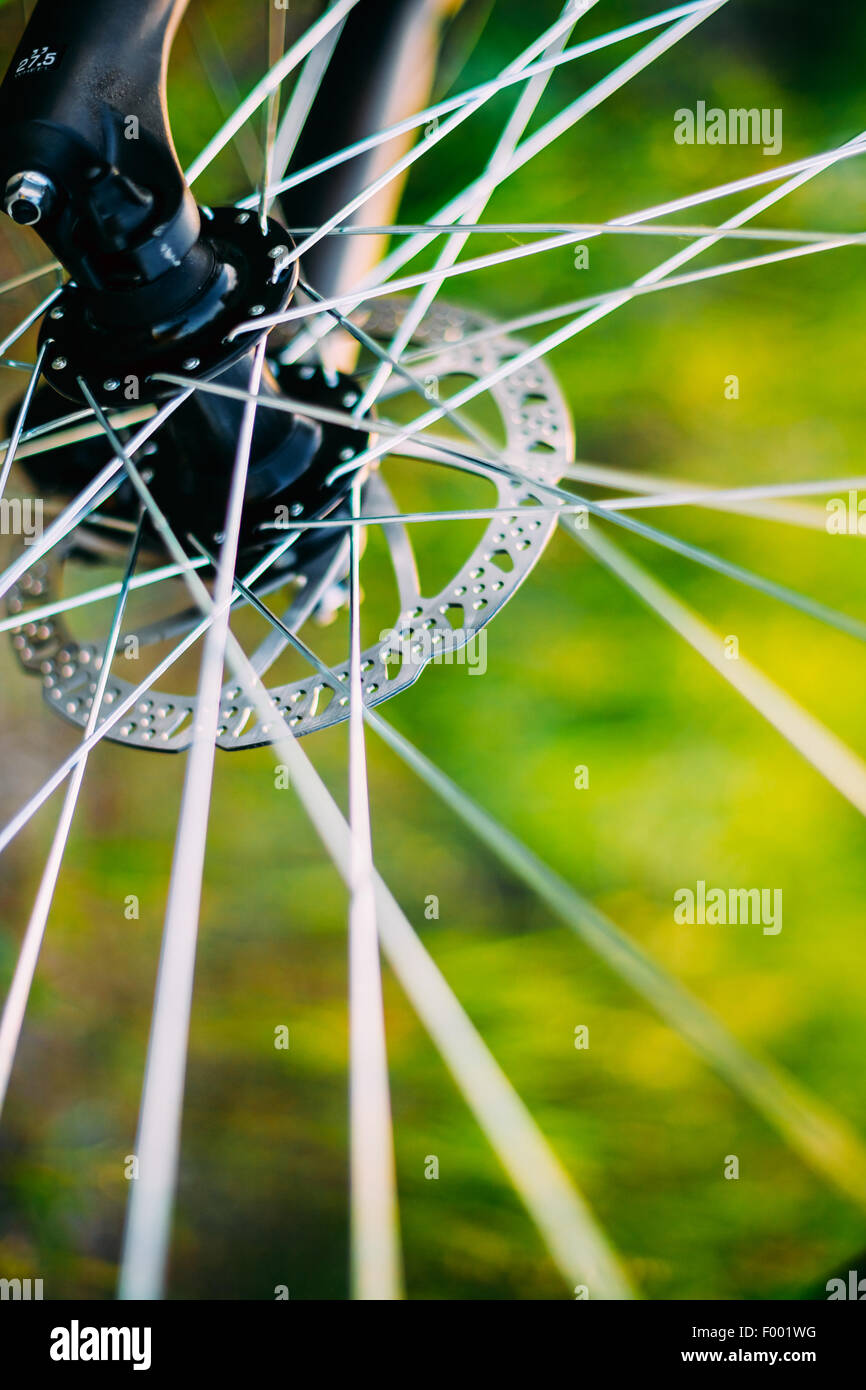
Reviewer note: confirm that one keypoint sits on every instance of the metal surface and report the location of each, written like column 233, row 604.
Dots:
column 539, row 444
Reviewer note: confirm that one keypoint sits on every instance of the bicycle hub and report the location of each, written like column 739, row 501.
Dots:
column 157, row 284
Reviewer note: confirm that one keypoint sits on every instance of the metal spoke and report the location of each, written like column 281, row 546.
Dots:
column 842, row 768
column 101, row 486
column 433, row 135
column 20, row 420
column 28, row 321
column 607, row 300
column 26, row 276
column 676, row 230
column 375, row 1245
column 820, row 1137
column 853, row 627
column 158, row 1144
column 576, row 1243
column 276, row 46
column 142, row 581
column 260, row 93
column 19, row 991
column 123, row 706
column 482, row 90
column 493, row 174
column 299, row 106
column 212, row 59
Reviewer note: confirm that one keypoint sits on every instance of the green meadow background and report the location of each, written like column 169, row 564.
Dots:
column 687, row 782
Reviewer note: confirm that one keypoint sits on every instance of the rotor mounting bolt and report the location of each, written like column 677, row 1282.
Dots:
column 58, row 364
column 350, row 398
column 346, row 454
column 28, row 196
column 57, row 313
column 190, row 364
column 242, row 217
column 257, row 309
column 277, row 251
column 111, row 384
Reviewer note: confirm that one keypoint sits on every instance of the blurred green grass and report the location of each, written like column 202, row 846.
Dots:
column 685, row 783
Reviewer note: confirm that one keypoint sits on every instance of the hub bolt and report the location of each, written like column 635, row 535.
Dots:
column 28, row 196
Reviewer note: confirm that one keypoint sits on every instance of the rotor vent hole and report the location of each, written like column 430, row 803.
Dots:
column 455, row 614
column 322, row 697
column 502, row 560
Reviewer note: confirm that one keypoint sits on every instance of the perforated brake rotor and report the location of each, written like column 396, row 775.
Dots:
column 538, row 435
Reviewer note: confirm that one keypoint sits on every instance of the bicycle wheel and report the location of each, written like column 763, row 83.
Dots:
column 302, row 472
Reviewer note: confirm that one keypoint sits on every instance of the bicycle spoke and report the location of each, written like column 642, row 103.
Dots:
column 26, row 276
column 14, row 826
column 299, row 106
column 375, row 1247
column 414, row 382
column 606, row 301
column 269, row 83
column 146, row 1236
column 852, row 627
column 142, row 581
column 405, row 518
column 515, row 127
column 840, row 767
column 676, row 230
column 482, row 90
column 433, row 135
column 20, row 421
column 577, row 1245
column 101, row 486
column 276, row 47
column 22, row 980
column 821, row 1138
column 220, row 78
column 28, row 321
column 746, row 501
column 739, row 498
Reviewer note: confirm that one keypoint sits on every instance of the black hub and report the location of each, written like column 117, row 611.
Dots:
column 181, row 322
column 189, row 463
column 158, row 285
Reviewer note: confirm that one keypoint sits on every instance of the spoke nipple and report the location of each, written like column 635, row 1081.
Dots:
column 257, row 309
column 190, row 364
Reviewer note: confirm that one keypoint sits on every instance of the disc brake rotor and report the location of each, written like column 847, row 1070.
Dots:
column 538, row 445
